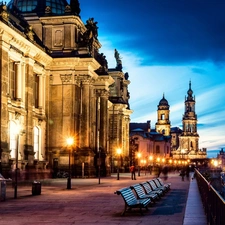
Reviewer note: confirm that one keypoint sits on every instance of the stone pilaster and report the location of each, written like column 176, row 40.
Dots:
column 85, row 113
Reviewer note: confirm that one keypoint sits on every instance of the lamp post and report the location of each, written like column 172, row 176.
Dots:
column 151, row 164
column 119, row 151
column 139, row 156
column 144, row 161
column 16, row 171
column 69, row 142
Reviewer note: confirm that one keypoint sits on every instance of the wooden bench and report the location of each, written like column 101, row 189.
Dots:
column 148, row 189
column 140, row 192
column 167, row 185
column 131, row 201
column 158, row 185
column 154, row 187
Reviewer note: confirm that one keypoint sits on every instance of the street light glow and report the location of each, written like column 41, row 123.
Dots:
column 69, row 141
column 119, row 151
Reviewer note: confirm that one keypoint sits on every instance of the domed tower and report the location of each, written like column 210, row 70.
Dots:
column 54, row 24
column 189, row 137
column 163, row 123
column 44, row 7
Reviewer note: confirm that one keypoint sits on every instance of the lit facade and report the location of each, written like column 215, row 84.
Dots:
column 55, row 84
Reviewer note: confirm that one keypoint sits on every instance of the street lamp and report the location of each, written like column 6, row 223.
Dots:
column 17, row 133
column 69, row 142
column 139, row 156
column 151, row 164
column 118, row 151
column 144, row 162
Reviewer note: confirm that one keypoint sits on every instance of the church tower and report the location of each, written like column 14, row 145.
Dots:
column 189, row 137
column 163, row 123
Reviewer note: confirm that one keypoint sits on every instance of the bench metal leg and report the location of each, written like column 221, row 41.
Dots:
column 125, row 209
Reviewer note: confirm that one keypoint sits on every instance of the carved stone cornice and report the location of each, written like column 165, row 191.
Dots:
column 56, row 20
column 23, row 46
column 103, row 82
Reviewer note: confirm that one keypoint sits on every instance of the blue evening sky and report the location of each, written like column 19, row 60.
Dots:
column 163, row 45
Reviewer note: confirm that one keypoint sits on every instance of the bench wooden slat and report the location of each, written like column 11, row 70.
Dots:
column 158, row 185
column 131, row 201
column 167, row 185
column 154, row 188
column 148, row 189
column 141, row 193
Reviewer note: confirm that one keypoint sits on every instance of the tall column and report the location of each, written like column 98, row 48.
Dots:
column 85, row 113
column 23, row 69
column 44, row 90
column 104, row 119
column 40, row 91
column 18, row 81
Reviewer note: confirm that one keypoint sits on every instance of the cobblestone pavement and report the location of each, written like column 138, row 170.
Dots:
column 89, row 203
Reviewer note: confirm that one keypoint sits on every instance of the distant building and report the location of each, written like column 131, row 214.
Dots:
column 166, row 141
column 163, row 121
column 189, row 138
column 221, row 159
column 149, row 143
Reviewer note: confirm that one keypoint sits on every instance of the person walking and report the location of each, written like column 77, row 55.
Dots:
column 182, row 174
column 132, row 170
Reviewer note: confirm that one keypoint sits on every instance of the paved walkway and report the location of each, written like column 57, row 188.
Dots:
column 194, row 213
column 89, row 203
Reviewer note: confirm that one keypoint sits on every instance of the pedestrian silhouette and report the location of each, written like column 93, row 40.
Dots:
column 132, row 170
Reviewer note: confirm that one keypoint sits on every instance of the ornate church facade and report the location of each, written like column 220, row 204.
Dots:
column 189, row 138
column 166, row 142
column 56, row 84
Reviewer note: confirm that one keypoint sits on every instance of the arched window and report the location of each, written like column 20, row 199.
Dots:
column 36, row 142
column 13, row 136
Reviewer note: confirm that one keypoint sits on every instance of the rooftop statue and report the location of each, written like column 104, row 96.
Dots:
column 92, row 28
column 90, row 34
column 118, row 60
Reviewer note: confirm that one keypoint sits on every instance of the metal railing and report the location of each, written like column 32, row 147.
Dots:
column 213, row 202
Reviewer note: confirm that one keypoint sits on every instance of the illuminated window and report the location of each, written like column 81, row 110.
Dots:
column 36, row 142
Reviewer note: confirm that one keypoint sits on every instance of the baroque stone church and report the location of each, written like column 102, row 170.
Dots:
column 56, row 84
column 189, row 138
column 164, row 141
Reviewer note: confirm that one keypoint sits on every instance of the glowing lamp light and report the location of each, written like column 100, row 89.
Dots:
column 119, row 151
column 69, row 141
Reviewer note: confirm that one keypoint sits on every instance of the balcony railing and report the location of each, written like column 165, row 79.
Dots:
column 213, row 202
